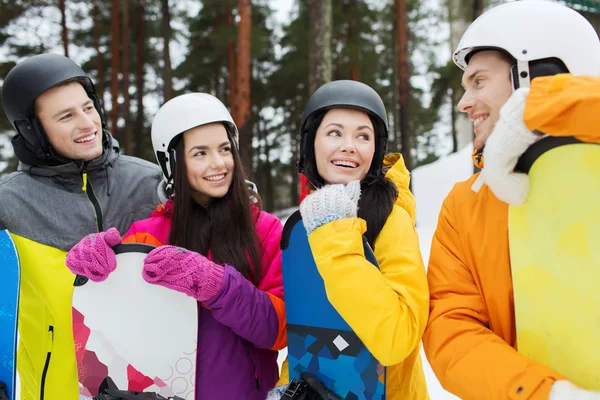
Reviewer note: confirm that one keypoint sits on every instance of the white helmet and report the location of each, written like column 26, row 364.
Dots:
column 181, row 114
column 534, row 30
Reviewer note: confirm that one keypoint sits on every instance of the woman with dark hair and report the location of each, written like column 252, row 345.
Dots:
column 344, row 136
column 214, row 244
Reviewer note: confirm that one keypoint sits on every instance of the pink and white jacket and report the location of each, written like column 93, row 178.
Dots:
column 243, row 326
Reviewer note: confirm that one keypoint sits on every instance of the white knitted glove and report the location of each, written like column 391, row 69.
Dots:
column 508, row 141
column 565, row 390
column 330, row 203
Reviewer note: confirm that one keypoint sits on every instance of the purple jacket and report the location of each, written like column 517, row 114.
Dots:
column 243, row 326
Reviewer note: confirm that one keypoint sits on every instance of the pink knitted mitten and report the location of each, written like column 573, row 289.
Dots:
column 183, row 270
column 93, row 256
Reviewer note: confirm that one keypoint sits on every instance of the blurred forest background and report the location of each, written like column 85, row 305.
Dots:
column 263, row 66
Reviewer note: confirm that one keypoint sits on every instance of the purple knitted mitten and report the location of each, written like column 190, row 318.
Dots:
column 183, row 270
column 93, row 256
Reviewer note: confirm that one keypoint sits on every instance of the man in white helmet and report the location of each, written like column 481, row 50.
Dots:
column 470, row 339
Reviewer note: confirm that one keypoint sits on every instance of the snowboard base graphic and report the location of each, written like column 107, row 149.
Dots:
column 9, row 305
column 320, row 342
column 142, row 336
column 554, row 240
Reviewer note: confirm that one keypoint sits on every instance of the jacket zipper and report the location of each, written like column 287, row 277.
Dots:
column 47, row 364
column 256, row 380
column 87, row 188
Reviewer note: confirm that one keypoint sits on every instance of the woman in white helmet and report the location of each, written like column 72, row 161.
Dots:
column 213, row 245
column 471, row 339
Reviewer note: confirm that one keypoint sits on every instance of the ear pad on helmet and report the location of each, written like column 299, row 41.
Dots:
column 24, row 128
column 537, row 68
column 33, row 132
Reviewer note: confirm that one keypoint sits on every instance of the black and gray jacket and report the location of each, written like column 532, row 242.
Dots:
column 48, row 209
column 59, row 205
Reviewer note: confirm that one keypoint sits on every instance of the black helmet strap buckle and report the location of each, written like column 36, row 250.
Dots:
column 167, row 158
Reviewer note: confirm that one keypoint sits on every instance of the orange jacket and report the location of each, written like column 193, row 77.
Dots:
column 470, row 340
column 565, row 105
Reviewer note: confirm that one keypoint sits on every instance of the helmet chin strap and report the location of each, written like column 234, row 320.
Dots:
column 171, row 179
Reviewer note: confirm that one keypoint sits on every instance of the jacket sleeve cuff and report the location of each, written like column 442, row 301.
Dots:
column 531, row 386
column 214, row 280
column 347, row 232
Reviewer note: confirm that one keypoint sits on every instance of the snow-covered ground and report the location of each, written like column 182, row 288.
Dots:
column 431, row 184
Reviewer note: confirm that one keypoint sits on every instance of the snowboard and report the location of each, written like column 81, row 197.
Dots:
column 320, row 342
column 9, row 305
column 555, row 259
column 141, row 336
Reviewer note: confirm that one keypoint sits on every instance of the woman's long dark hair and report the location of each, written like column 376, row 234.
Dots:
column 225, row 227
column 378, row 194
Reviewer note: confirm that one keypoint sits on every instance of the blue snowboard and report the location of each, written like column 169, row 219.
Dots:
column 9, row 304
column 319, row 340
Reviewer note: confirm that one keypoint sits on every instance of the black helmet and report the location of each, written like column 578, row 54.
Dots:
column 26, row 82
column 343, row 94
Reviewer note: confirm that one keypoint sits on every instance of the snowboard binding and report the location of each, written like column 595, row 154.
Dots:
column 3, row 392
column 110, row 391
column 308, row 387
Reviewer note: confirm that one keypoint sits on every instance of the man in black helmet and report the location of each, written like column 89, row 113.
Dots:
column 71, row 181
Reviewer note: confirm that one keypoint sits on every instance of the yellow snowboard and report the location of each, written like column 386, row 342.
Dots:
column 554, row 242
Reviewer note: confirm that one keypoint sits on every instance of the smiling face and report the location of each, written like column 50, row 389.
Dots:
column 487, row 87
column 344, row 146
column 209, row 162
column 71, row 122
